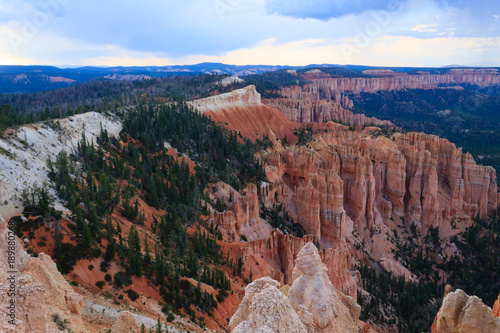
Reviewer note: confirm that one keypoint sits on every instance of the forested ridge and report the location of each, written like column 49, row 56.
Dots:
column 99, row 179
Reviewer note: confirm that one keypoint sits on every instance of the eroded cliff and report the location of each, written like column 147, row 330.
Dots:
column 312, row 304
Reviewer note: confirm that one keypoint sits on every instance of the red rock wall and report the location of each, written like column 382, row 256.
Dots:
column 356, row 85
column 349, row 177
column 286, row 247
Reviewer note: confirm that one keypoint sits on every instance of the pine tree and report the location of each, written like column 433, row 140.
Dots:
column 87, row 236
column 147, row 251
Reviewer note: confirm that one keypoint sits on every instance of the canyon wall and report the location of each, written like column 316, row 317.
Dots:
column 480, row 77
column 285, row 248
column 353, row 178
column 325, row 98
column 309, row 104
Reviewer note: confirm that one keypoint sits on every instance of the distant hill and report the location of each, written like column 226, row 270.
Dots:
column 26, row 79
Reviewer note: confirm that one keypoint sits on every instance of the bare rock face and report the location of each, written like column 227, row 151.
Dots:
column 461, row 313
column 312, row 295
column 41, row 293
column 350, row 179
column 240, row 97
column 126, row 323
column 285, row 248
column 265, row 309
column 303, row 106
column 242, row 216
column 330, row 86
column 496, row 308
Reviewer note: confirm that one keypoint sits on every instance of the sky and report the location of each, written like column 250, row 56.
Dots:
column 414, row 33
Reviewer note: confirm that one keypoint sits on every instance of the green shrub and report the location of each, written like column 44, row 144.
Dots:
column 132, row 295
column 122, row 279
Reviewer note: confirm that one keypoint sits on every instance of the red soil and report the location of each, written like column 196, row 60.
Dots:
column 256, row 120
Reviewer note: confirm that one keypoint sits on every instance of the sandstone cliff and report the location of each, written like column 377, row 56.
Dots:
column 325, row 97
column 481, row 77
column 282, row 251
column 311, row 304
column 304, row 105
column 349, row 179
column 461, row 313
column 43, row 298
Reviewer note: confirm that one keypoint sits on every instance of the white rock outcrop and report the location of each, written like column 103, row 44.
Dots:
column 24, row 152
column 320, row 307
column 461, row 313
column 237, row 98
column 265, row 309
column 311, row 304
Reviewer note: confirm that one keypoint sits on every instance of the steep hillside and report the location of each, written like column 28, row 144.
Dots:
column 243, row 111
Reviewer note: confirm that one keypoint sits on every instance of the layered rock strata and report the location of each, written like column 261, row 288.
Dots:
column 311, row 105
column 461, row 313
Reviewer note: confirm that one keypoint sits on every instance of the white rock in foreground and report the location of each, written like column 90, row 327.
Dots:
column 265, row 309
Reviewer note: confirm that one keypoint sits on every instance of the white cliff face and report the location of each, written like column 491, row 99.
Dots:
column 24, row 152
column 265, row 309
column 237, row 98
column 461, row 313
column 312, row 300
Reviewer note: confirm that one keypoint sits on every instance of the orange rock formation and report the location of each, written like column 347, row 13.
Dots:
column 304, row 105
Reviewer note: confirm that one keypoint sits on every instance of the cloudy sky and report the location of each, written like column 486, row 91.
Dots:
column 286, row 32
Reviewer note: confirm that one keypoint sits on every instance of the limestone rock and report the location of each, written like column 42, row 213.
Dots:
column 265, row 309
column 125, row 323
column 312, row 295
column 461, row 313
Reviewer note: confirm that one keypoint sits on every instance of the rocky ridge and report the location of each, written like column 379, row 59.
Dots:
column 424, row 80
column 236, row 98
